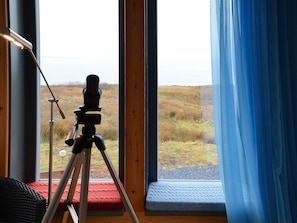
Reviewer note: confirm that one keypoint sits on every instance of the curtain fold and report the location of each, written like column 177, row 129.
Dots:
column 254, row 66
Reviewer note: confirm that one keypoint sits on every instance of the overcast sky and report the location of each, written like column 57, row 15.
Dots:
column 81, row 37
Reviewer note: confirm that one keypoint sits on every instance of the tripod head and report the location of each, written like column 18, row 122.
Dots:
column 87, row 114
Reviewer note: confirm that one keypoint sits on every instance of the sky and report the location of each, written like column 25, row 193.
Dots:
column 81, row 37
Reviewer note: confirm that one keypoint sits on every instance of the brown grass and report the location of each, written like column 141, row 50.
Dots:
column 185, row 114
column 71, row 98
column 186, row 127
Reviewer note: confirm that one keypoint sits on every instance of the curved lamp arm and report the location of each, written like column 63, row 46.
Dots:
column 21, row 42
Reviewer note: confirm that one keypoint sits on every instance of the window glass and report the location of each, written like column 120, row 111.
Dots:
column 78, row 38
column 187, row 148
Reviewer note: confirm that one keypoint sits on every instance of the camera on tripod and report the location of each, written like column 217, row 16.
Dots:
column 87, row 113
column 92, row 93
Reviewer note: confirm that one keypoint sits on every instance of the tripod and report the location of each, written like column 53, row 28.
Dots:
column 81, row 154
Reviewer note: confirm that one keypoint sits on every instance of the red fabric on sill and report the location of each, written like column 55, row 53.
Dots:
column 101, row 195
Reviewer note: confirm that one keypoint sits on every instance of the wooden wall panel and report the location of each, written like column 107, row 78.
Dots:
column 154, row 219
column 4, row 94
column 135, row 103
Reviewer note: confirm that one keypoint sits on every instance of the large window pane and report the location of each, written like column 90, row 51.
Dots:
column 187, row 148
column 78, row 38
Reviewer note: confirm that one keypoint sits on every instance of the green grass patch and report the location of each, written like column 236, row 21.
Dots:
column 174, row 154
column 97, row 163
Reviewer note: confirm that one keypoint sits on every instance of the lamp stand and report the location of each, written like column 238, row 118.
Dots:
column 21, row 42
column 51, row 142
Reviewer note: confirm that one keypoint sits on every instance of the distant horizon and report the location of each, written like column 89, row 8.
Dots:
column 66, row 70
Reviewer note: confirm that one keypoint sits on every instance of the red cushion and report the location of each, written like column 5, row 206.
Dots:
column 101, row 195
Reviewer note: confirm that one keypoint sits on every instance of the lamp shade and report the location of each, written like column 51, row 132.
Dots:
column 15, row 38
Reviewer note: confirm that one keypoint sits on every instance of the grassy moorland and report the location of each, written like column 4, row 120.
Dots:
column 186, row 128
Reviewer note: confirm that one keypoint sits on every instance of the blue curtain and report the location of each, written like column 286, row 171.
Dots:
column 254, row 66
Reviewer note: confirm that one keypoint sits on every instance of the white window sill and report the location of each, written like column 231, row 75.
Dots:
column 180, row 197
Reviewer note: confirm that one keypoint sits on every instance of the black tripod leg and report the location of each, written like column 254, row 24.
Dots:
column 49, row 215
column 119, row 186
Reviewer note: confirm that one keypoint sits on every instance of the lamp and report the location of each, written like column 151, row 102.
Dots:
column 21, row 42
column 15, row 38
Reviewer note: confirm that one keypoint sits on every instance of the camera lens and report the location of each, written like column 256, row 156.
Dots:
column 92, row 92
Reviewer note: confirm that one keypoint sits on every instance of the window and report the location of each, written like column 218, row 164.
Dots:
column 78, row 39
column 186, row 148
column 179, row 92
column 180, row 127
